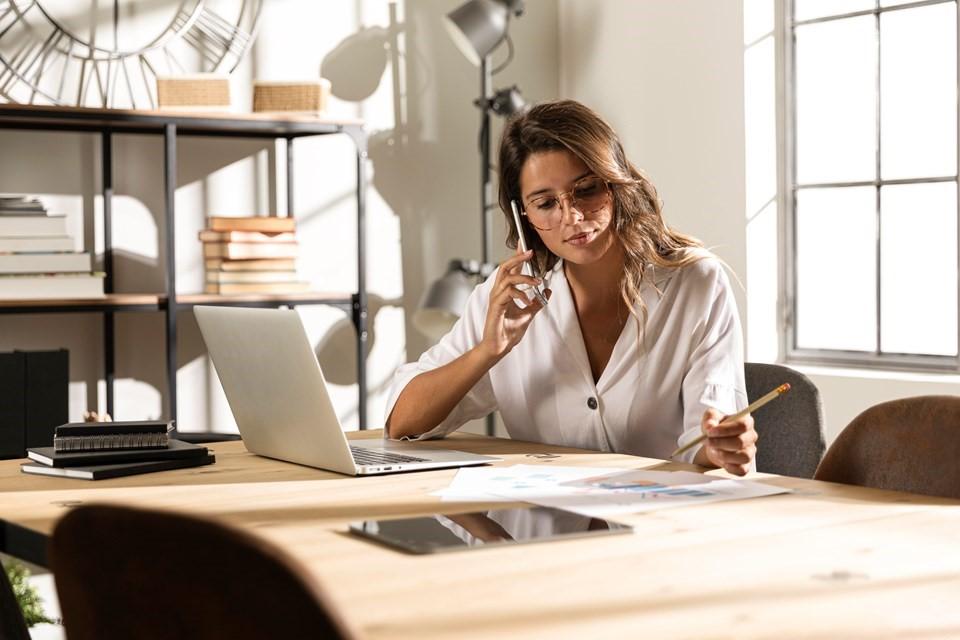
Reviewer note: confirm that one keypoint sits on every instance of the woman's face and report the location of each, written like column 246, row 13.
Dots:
column 546, row 180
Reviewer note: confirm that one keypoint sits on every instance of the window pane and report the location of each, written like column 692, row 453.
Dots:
column 836, row 268
column 836, row 101
column 918, row 92
column 918, row 268
column 893, row 3
column 807, row 9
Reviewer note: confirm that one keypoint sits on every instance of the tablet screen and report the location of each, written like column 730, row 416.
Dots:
column 450, row 532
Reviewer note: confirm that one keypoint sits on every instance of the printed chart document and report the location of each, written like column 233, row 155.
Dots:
column 599, row 492
column 498, row 484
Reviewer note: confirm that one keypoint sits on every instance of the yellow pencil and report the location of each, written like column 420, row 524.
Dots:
column 733, row 418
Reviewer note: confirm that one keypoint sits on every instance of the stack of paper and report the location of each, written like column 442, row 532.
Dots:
column 598, row 492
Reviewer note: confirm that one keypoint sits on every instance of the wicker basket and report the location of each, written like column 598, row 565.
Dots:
column 200, row 91
column 308, row 96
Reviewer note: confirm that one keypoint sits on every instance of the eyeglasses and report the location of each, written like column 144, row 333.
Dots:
column 588, row 195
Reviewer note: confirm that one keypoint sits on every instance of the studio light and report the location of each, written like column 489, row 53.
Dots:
column 477, row 27
column 446, row 298
column 507, row 102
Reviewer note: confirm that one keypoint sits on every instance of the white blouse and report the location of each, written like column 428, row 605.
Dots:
column 649, row 399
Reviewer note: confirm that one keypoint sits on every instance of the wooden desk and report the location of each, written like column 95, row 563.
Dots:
column 826, row 561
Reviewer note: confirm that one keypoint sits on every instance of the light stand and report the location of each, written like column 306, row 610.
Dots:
column 477, row 27
column 486, row 184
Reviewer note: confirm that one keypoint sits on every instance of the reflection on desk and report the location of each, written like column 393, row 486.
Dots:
column 495, row 527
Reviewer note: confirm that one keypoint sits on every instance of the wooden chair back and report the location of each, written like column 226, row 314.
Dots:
column 133, row 573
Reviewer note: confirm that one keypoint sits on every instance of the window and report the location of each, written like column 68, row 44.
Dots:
column 870, row 163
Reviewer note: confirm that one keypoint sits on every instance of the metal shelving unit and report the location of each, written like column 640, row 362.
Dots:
column 171, row 125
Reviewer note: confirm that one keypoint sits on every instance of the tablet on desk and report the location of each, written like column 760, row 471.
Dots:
column 498, row 527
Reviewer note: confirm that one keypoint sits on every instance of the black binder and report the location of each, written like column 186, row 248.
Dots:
column 33, row 399
column 12, row 405
column 47, row 382
column 46, row 395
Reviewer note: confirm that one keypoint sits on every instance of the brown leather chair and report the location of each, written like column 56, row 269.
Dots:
column 912, row 444
column 133, row 573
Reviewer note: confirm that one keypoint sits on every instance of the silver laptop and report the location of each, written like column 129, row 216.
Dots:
column 279, row 398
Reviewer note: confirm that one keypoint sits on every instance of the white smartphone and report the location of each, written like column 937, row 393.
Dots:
column 527, row 269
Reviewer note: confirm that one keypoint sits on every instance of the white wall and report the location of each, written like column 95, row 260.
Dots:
column 668, row 75
column 425, row 190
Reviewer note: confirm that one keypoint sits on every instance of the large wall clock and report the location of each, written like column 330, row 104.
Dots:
column 108, row 53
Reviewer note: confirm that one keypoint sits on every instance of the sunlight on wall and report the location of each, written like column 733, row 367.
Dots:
column 134, row 230
column 759, row 103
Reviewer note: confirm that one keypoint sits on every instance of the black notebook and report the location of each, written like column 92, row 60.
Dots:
column 177, row 449
column 104, row 471
column 101, row 436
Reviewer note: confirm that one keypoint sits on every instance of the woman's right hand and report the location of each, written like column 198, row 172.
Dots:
column 506, row 322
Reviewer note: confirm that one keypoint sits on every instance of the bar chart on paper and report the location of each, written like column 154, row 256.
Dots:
column 642, row 487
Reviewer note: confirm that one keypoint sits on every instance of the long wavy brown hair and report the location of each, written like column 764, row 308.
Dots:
column 567, row 125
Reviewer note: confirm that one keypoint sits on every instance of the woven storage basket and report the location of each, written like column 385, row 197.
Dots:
column 308, row 96
column 193, row 91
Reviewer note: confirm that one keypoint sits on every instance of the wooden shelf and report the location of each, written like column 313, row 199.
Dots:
column 170, row 125
column 340, row 299
column 157, row 302
column 270, row 125
column 110, row 302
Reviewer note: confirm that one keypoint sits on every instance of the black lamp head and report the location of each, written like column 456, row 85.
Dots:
column 507, row 102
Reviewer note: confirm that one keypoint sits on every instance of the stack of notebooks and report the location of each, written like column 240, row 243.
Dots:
column 95, row 451
column 251, row 255
column 37, row 257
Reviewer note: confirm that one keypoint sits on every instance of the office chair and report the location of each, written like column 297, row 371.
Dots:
column 124, row 572
column 12, row 624
column 790, row 429
column 911, row 444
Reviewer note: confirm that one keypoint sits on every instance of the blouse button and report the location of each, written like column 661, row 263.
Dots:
column 592, row 402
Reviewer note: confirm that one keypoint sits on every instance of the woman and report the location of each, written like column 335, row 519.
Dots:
column 639, row 349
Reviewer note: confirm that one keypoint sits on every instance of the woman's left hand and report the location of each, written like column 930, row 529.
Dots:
column 732, row 446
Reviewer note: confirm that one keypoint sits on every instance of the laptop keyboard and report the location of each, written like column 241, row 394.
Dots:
column 365, row 456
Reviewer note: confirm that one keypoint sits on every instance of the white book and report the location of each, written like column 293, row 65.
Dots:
column 44, row 244
column 61, row 285
column 27, row 225
column 45, row 262
column 251, row 276
column 18, row 203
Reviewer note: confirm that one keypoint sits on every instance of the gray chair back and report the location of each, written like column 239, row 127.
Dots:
column 791, row 428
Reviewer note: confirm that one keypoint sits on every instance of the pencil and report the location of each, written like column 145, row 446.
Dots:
column 733, row 418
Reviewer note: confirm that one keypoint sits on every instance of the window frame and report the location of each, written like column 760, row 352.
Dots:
column 788, row 189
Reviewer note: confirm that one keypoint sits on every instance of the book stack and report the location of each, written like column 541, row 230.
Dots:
column 95, row 451
column 37, row 257
column 251, row 255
